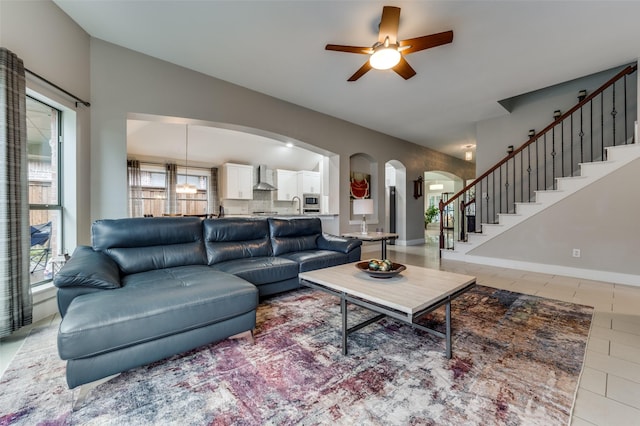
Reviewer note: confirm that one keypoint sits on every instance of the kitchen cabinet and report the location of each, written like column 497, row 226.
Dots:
column 308, row 182
column 236, row 182
column 287, row 184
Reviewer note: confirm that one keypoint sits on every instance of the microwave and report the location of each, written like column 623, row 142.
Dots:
column 311, row 201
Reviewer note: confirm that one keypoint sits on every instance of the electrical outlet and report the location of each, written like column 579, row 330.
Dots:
column 576, row 252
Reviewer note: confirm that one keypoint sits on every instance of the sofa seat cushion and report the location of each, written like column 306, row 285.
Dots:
column 260, row 270
column 152, row 305
column 310, row 260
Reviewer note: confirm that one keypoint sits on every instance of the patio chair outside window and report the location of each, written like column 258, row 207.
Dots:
column 40, row 246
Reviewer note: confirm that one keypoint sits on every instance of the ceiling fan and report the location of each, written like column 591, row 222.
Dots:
column 388, row 52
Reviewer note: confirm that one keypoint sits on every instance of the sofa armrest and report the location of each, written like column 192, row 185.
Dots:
column 335, row 243
column 88, row 268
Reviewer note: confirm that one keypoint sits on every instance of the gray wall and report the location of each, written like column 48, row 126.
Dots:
column 118, row 82
column 531, row 111
column 601, row 220
column 55, row 47
column 124, row 82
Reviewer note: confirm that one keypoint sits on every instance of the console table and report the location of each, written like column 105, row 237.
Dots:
column 374, row 236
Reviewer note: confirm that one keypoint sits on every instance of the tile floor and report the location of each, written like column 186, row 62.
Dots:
column 609, row 389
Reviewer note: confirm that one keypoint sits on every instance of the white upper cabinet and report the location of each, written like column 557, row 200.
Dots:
column 308, row 182
column 287, row 183
column 236, row 182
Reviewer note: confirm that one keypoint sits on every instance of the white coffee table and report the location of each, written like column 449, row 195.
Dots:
column 406, row 297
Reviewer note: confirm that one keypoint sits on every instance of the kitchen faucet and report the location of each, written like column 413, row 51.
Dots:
column 294, row 199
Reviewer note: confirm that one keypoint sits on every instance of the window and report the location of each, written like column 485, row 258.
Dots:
column 44, row 170
column 152, row 198
column 193, row 204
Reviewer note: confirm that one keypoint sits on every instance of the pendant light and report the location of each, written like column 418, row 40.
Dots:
column 186, row 188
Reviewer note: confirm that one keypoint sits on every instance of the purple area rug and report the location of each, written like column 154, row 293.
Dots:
column 516, row 360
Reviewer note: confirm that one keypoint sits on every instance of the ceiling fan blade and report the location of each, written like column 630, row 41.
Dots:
column 404, row 69
column 349, row 49
column 425, row 42
column 362, row 71
column 389, row 23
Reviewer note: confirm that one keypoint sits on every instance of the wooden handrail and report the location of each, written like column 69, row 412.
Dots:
column 628, row 70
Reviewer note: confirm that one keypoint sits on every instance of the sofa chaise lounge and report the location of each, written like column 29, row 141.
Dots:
column 150, row 288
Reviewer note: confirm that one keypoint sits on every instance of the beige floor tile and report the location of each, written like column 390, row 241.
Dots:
column 595, row 284
column 628, row 323
column 564, row 281
column 602, row 319
column 527, row 287
column 505, row 283
column 624, row 391
column 617, row 336
column 594, row 381
column 604, row 411
column 627, row 309
column 625, row 352
column 598, row 344
column 577, row 421
column 557, row 293
column 537, row 277
column 613, row 365
column 600, row 295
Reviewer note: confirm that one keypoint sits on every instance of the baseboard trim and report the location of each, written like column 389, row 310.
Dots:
column 587, row 274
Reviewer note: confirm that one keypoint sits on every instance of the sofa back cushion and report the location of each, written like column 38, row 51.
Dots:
column 144, row 244
column 289, row 235
column 236, row 238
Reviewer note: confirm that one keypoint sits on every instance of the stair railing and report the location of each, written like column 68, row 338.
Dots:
column 577, row 136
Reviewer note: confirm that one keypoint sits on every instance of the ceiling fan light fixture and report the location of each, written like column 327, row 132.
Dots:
column 384, row 57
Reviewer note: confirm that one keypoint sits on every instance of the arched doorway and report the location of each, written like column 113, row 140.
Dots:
column 440, row 185
column 395, row 199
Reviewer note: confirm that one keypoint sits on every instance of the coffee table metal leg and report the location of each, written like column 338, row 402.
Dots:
column 343, row 307
column 384, row 249
column 448, row 332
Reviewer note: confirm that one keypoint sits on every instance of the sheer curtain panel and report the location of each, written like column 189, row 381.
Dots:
column 15, row 291
column 135, row 188
column 171, row 182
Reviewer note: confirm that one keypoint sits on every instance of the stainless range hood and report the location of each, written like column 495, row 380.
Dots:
column 262, row 184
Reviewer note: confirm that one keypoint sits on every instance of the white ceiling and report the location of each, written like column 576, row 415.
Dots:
column 500, row 49
column 212, row 146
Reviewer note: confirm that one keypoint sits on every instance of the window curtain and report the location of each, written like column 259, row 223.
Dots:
column 213, row 192
column 135, row 188
column 171, row 180
column 15, row 291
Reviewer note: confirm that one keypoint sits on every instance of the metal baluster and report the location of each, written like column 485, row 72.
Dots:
column 602, row 126
column 613, row 114
column 562, row 149
column 521, row 176
column 626, row 127
column 529, row 172
column 506, row 187
column 514, row 183
column 545, row 161
column 553, row 157
column 581, row 134
column 591, row 127
column 493, row 218
column 500, row 194
column 571, row 153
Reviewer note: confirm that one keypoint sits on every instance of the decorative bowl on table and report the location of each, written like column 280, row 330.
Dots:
column 380, row 268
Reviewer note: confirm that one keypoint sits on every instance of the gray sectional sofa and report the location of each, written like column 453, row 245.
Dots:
column 149, row 288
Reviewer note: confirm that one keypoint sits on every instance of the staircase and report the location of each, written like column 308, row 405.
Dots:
column 583, row 145
column 617, row 156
